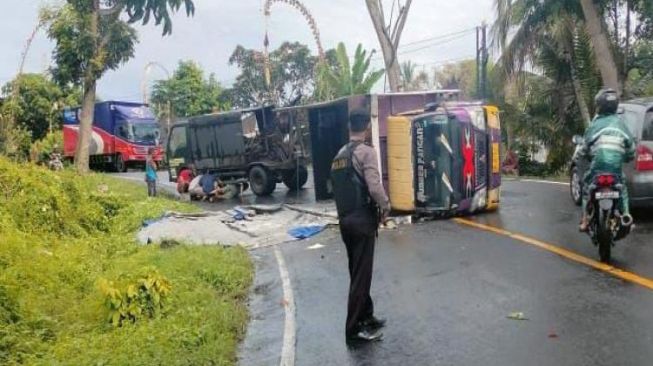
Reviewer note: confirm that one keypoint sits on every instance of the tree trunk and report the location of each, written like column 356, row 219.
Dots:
column 626, row 70
column 88, row 103
column 394, row 78
column 85, row 126
column 389, row 41
column 602, row 52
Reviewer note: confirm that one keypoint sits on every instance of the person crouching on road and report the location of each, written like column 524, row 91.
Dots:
column 185, row 177
column 212, row 188
column 359, row 197
column 195, row 189
column 150, row 173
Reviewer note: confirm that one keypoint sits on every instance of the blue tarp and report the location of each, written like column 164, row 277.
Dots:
column 303, row 232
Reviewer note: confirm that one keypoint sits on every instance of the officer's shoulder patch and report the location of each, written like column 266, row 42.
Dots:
column 339, row 164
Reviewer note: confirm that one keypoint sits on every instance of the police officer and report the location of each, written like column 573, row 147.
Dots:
column 362, row 203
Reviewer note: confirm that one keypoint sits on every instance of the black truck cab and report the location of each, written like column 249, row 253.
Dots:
column 248, row 145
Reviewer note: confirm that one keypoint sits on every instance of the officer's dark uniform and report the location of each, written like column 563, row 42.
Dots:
column 358, row 194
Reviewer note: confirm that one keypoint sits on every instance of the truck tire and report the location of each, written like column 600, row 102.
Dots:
column 262, row 181
column 296, row 178
column 119, row 165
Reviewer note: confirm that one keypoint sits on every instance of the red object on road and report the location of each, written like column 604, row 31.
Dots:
column 183, row 180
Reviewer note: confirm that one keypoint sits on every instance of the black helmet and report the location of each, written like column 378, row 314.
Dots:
column 606, row 101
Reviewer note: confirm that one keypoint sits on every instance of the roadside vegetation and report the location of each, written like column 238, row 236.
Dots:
column 76, row 288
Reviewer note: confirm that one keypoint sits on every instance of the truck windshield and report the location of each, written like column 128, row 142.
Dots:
column 139, row 132
column 177, row 143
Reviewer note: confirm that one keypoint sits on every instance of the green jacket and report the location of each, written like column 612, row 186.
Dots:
column 609, row 142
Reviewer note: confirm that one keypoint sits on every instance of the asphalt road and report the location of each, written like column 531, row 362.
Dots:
column 447, row 290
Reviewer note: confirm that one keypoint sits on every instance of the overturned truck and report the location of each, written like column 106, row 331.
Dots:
column 445, row 160
column 251, row 145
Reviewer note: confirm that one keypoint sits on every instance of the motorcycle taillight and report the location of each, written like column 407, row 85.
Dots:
column 644, row 160
column 605, row 180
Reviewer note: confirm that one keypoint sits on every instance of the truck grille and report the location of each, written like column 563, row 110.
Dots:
column 140, row 150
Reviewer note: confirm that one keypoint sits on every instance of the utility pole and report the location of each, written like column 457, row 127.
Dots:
column 478, row 62
column 144, row 90
column 481, row 61
column 484, row 59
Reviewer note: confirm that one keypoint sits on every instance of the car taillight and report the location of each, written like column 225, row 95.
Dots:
column 605, row 180
column 644, row 160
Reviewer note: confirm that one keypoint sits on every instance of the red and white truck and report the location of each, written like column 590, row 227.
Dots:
column 123, row 132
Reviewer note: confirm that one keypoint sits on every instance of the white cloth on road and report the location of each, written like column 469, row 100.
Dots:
column 258, row 231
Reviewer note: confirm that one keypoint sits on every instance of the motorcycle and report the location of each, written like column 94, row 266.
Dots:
column 55, row 162
column 607, row 224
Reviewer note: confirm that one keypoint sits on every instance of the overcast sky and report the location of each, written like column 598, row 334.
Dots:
column 219, row 25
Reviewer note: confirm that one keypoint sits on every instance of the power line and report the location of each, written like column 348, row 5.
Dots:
column 434, row 38
column 446, row 61
column 435, row 41
column 433, row 44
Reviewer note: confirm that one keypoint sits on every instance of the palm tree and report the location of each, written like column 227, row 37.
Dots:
column 340, row 78
column 553, row 101
column 546, row 25
column 604, row 56
column 407, row 74
column 532, row 17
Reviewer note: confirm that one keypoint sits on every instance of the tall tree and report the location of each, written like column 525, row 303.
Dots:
column 292, row 71
column 459, row 75
column 604, row 56
column 91, row 38
column 408, row 73
column 640, row 77
column 539, row 26
column 389, row 35
column 414, row 80
column 342, row 78
column 38, row 103
column 189, row 93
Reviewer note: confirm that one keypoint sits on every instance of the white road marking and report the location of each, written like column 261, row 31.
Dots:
column 289, row 329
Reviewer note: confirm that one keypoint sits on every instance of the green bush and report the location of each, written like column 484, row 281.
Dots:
column 147, row 298
column 64, row 236
column 41, row 149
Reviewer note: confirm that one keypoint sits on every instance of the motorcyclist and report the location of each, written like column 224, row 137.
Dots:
column 609, row 144
column 54, row 162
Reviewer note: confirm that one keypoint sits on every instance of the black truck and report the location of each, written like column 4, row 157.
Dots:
column 257, row 146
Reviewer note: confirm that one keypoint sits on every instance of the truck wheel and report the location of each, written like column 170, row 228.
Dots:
column 120, row 164
column 262, row 181
column 296, row 178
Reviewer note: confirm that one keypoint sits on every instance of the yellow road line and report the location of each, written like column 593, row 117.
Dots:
column 620, row 273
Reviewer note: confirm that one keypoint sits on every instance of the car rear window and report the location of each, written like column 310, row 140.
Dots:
column 647, row 130
column 633, row 121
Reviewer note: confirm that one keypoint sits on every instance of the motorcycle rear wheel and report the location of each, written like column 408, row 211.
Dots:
column 604, row 236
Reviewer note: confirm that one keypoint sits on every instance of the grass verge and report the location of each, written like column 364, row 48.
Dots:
column 64, row 238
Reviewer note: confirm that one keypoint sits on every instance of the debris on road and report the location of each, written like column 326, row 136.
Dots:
column 517, row 316
column 315, row 246
column 303, row 232
column 248, row 226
